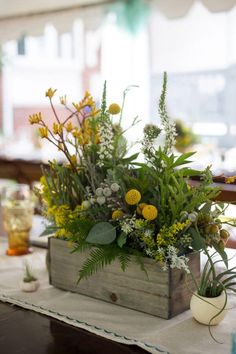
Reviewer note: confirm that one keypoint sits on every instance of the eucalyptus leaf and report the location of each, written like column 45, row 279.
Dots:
column 103, row 233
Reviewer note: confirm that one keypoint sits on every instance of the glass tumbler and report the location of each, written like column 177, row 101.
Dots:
column 17, row 211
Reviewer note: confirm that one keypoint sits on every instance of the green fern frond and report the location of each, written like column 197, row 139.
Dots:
column 82, row 247
column 139, row 259
column 124, row 259
column 98, row 259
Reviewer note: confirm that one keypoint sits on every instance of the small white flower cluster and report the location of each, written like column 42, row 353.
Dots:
column 147, row 147
column 172, row 259
column 170, row 131
column 128, row 224
column 176, row 261
column 149, row 252
column 106, row 139
column 151, row 132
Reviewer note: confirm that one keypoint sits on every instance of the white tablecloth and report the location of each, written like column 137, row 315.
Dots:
column 180, row 335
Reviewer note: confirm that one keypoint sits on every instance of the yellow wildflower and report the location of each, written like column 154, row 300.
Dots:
column 77, row 106
column 140, row 208
column 50, row 93
column 60, row 147
column 73, row 159
column 168, row 235
column 230, row 179
column 69, row 127
column 35, row 118
column 149, row 212
column 94, row 112
column 62, row 214
column 132, row 197
column 117, row 214
column 57, row 128
column 63, row 100
column 43, row 132
column 114, row 108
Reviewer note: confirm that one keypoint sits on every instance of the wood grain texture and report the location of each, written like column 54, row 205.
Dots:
column 163, row 294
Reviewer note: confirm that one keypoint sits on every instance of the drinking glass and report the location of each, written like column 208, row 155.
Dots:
column 17, row 211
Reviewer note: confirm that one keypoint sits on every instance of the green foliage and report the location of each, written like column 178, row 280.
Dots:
column 100, row 257
column 103, row 233
column 29, row 277
column 212, row 284
column 121, row 239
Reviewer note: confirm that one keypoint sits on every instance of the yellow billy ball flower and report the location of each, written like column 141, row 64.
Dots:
column 114, row 108
column 140, row 208
column 150, row 212
column 132, row 197
column 117, row 214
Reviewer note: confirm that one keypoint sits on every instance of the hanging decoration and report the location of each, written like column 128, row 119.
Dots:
column 131, row 14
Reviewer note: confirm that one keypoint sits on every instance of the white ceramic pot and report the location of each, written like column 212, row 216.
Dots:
column 205, row 308
column 29, row 286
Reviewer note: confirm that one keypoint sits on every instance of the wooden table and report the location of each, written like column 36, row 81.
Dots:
column 20, row 170
column 26, row 332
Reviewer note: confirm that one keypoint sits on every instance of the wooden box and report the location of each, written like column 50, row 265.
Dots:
column 164, row 294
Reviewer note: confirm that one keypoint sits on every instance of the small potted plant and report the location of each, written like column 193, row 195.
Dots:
column 209, row 302
column 30, row 282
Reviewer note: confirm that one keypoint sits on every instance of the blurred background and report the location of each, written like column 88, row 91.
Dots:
column 74, row 45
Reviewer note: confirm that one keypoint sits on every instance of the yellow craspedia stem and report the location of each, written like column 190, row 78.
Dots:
column 149, row 212
column 117, row 214
column 132, row 197
column 140, row 208
column 114, row 108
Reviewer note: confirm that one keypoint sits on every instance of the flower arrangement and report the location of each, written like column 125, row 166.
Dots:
column 106, row 201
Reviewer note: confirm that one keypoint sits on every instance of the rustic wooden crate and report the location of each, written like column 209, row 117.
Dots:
column 163, row 294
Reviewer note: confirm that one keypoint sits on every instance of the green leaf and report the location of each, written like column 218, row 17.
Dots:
column 121, row 240
column 124, row 259
column 206, row 208
column 102, row 233
column 98, row 259
column 182, row 159
column 129, row 159
column 221, row 252
column 49, row 231
column 197, row 241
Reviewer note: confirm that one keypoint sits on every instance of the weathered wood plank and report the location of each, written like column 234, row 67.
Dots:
column 163, row 294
